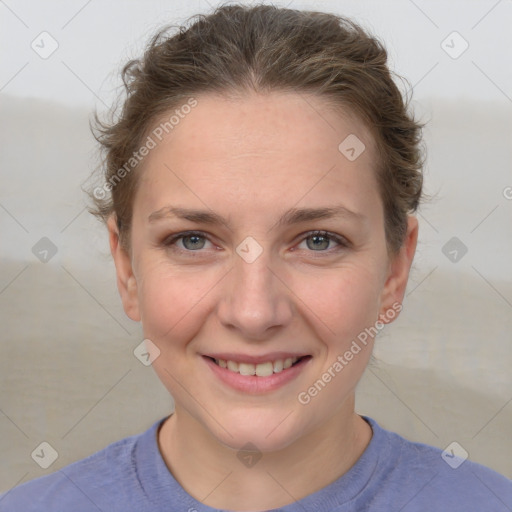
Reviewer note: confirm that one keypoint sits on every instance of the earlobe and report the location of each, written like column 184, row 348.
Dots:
column 126, row 281
column 398, row 274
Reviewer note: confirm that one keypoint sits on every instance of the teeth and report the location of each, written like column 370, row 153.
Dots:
column 278, row 366
column 261, row 370
column 232, row 366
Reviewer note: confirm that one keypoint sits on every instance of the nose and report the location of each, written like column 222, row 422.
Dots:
column 255, row 300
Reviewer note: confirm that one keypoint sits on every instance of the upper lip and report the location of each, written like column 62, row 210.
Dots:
column 245, row 358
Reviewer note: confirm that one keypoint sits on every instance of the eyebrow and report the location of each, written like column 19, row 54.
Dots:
column 292, row 216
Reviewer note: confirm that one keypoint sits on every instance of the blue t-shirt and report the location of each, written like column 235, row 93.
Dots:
column 393, row 474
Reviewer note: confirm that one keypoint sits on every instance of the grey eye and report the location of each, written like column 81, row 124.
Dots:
column 319, row 242
column 196, row 242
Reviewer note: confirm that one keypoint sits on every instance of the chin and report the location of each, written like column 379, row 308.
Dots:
column 264, row 430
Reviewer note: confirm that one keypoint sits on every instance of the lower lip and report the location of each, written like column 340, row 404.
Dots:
column 252, row 383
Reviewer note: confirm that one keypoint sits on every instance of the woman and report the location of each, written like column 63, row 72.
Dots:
column 259, row 190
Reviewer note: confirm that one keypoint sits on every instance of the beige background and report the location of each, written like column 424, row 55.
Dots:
column 68, row 375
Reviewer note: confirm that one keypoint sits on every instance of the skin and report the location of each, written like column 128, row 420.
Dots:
column 250, row 159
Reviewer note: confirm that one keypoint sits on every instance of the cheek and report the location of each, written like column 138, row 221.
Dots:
column 353, row 314
column 344, row 300
column 172, row 303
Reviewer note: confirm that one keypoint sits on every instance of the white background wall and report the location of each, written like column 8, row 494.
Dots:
column 68, row 375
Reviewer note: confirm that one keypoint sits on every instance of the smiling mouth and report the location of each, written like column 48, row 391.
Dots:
column 260, row 370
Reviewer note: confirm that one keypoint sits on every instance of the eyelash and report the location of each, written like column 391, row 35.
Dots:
column 171, row 240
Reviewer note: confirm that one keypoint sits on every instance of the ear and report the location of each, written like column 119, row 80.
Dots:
column 398, row 275
column 126, row 282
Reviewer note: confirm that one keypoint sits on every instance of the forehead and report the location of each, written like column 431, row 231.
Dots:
column 265, row 122
column 260, row 150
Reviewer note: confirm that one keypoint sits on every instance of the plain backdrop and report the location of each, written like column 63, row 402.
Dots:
column 68, row 374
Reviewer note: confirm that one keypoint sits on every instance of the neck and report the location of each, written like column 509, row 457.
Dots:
column 277, row 479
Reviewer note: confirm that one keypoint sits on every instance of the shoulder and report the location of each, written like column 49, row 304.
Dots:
column 106, row 480
column 428, row 478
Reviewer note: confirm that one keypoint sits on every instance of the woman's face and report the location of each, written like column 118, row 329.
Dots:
column 258, row 283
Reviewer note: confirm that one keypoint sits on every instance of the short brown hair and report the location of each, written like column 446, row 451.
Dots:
column 263, row 49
